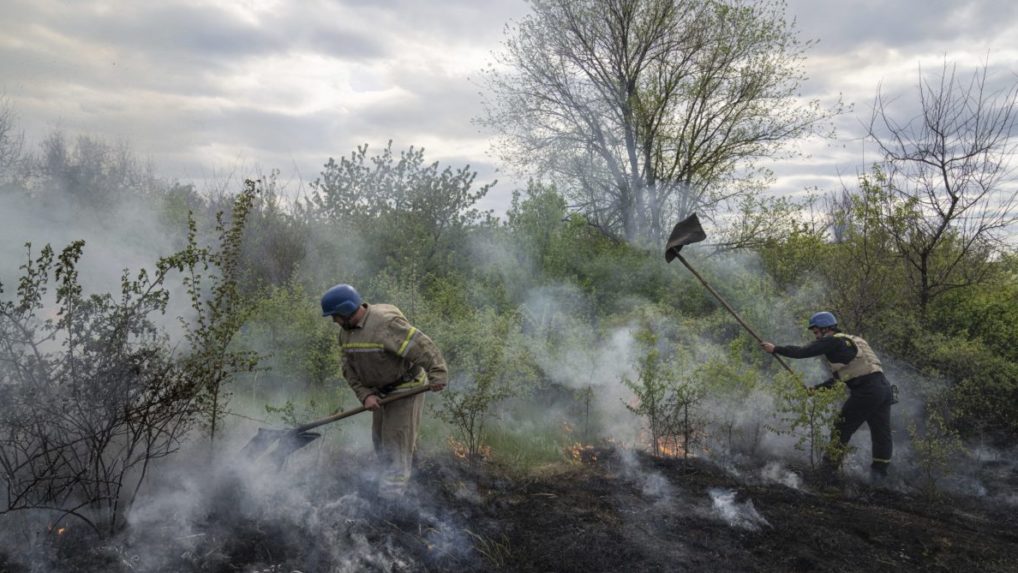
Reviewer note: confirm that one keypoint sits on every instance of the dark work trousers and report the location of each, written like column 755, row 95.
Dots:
column 869, row 401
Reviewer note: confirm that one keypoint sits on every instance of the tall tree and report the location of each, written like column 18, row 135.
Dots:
column 401, row 207
column 11, row 142
column 93, row 174
column 949, row 177
column 640, row 110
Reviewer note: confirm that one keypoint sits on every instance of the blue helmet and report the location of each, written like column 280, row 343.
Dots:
column 822, row 320
column 341, row 299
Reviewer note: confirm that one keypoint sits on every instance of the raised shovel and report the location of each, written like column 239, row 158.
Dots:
column 689, row 231
column 293, row 439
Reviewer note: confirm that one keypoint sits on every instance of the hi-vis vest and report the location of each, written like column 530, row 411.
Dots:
column 865, row 361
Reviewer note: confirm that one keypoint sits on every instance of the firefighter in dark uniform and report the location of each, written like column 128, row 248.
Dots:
column 383, row 355
column 854, row 363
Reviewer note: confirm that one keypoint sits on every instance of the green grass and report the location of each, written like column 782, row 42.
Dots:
column 518, row 448
column 524, row 452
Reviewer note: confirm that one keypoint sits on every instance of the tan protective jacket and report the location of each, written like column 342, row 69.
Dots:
column 385, row 351
column 865, row 361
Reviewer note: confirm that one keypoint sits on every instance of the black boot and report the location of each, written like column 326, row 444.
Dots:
column 878, row 473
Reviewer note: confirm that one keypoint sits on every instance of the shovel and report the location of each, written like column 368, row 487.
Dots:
column 293, row 439
column 689, row 231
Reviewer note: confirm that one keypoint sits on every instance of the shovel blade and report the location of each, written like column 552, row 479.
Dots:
column 286, row 442
column 686, row 231
column 290, row 443
column 262, row 441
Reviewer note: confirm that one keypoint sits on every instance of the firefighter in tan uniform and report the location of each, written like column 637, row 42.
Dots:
column 854, row 363
column 382, row 356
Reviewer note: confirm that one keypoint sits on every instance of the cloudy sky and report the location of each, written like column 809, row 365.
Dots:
column 202, row 87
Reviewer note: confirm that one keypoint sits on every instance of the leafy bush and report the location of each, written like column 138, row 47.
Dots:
column 91, row 392
column 489, row 364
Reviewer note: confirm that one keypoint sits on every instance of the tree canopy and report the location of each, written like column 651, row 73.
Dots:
column 645, row 110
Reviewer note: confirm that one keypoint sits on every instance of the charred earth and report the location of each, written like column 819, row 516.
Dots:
column 615, row 511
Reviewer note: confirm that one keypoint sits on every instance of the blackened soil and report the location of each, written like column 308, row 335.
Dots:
column 620, row 512
column 659, row 515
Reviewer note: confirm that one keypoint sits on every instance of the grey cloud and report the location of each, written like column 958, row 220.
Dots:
column 439, row 103
column 434, row 112
column 164, row 30
column 267, row 131
column 345, row 43
column 453, row 21
column 170, row 47
column 845, row 26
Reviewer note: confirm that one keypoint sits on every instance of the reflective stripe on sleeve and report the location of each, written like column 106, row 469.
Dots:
column 406, row 343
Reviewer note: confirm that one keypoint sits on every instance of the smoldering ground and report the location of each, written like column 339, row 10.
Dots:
column 319, row 512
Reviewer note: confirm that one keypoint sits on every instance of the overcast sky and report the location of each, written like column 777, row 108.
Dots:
column 204, row 87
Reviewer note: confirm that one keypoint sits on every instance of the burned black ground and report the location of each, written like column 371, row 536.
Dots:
column 605, row 517
column 623, row 511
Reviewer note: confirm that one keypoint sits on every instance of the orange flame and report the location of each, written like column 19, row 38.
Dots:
column 462, row 451
column 670, row 447
column 579, row 454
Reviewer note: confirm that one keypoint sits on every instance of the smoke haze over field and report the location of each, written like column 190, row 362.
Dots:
column 129, row 237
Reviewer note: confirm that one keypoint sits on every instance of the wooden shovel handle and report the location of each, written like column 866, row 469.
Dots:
column 355, row 411
column 732, row 310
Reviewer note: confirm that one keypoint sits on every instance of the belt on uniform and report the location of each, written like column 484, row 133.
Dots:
column 405, row 382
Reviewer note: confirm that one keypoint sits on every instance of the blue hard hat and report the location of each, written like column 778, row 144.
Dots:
column 341, row 299
column 822, row 320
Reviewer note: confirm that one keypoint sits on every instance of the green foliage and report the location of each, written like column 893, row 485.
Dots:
column 403, row 209
column 219, row 309
column 498, row 552
column 862, row 267
column 987, row 312
column 522, row 451
column 313, row 404
column 271, row 255
column 937, row 448
column 535, row 224
column 728, row 382
column 810, row 414
column 93, row 392
column 489, row 363
column 793, row 259
column 297, row 345
column 651, row 386
column 662, row 395
column 89, row 394
column 984, row 389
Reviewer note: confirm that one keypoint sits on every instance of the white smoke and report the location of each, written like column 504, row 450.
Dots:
column 742, row 515
column 775, row 472
column 193, row 515
column 652, row 484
